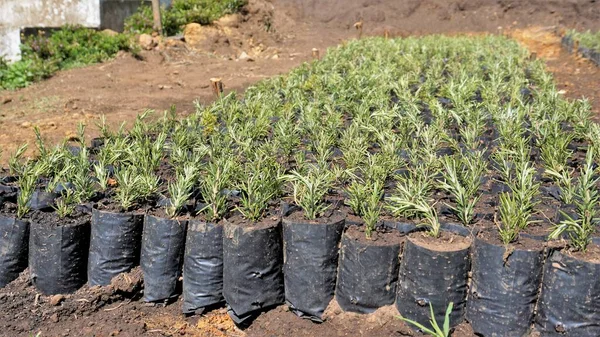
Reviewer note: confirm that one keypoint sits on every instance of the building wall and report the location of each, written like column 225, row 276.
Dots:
column 114, row 12
column 17, row 14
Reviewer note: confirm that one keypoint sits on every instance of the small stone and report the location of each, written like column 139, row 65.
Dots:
column 244, row 57
column 109, row 32
column 26, row 125
column 54, row 318
column 275, row 57
column 170, row 42
column 195, row 34
column 146, row 42
column 5, row 100
column 231, row 20
column 56, row 299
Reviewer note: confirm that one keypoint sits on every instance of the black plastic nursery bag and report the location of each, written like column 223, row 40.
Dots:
column 58, row 257
column 252, row 269
column 163, row 242
column 115, row 245
column 202, row 266
column 310, row 267
column 14, row 243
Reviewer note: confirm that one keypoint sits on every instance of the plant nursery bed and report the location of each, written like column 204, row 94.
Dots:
column 243, row 206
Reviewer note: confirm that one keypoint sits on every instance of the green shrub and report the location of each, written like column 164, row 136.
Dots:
column 141, row 22
column 588, row 39
column 22, row 73
column 74, row 46
column 181, row 13
column 71, row 46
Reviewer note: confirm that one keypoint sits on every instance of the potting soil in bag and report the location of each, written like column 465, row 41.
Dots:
column 14, row 243
column 115, row 245
column 202, row 266
column 310, row 267
column 435, row 277
column 569, row 303
column 252, row 269
column 163, row 241
column 58, row 257
column 367, row 275
column 504, row 289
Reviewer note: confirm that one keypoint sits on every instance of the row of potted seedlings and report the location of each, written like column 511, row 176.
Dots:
column 383, row 174
column 586, row 44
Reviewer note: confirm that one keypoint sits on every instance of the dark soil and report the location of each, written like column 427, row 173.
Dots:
column 160, row 212
column 52, row 219
column 446, row 242
column 379, row 237
column 81, row 314
column 524, row 243
column 8, row 208
column 269, row 221
column 332, row 215
column 383, row 322
column 109, row 204
column 591, row 255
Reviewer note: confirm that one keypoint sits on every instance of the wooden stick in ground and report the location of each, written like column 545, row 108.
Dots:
column 315, row 53
column 156, row 13
column 359, row 27
column 217, row 86
column 533, row 56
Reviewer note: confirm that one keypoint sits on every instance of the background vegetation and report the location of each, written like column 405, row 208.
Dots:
column 587, row 39
column 71, row 46
column 181, row 13
column 74, row 46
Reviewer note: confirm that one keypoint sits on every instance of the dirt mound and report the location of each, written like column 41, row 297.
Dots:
column 435, row 16
column 383, row 322
column 27, row 311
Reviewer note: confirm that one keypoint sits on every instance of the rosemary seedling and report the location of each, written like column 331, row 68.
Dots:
column 259, row 183
column 580, row 230
column 309, row 190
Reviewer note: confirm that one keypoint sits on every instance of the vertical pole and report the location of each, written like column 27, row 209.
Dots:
column 315, row 53
column 359, row 28
column 217, row 86
column 156, row 13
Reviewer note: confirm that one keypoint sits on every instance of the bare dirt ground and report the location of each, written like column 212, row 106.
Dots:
column 277, row 36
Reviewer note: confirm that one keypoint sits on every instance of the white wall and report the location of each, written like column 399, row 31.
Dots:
column 17, row 14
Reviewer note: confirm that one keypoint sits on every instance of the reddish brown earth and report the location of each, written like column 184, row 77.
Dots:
column 178, row 75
